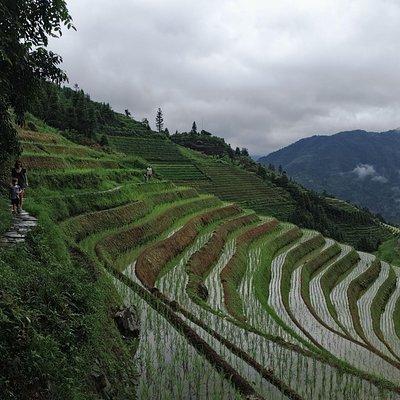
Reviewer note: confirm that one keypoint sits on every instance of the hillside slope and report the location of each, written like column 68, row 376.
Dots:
column 269, row 194
column 232, row 304
column 86, row 122
column 358, row 166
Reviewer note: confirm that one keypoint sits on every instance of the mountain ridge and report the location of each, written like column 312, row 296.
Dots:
column 344, row 162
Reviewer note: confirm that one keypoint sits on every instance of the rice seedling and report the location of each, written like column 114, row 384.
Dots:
column 340, row 298
column 336, row 344
column 387, row 323
column 364, row 307
column 170, row 369
column 173, row 284
column 317, row 296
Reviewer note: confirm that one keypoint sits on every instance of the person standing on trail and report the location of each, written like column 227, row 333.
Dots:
column 149, row 173
column 19, row 173
column 15, row 192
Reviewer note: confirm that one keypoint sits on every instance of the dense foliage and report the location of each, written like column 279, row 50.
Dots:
column 73, row 111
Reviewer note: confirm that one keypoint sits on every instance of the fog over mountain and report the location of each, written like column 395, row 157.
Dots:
column 260, row 76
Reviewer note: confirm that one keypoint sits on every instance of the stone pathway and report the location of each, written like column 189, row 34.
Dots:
column 22, row 223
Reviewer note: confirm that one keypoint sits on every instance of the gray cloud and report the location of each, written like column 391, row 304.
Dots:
column 259, row 73
column 364, row 171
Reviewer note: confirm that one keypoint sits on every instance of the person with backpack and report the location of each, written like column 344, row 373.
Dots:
column 19, row 173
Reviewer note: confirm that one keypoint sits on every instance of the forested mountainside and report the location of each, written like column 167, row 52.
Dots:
column 255, row 306
column 228, row 173
column 357, row 166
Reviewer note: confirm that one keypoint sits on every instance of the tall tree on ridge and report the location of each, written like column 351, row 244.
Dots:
column 159, row 120
column 127, row 113
column 194, row 127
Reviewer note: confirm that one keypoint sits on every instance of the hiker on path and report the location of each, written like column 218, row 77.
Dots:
column 19, row 173
column 15, row 192
column 149, row 173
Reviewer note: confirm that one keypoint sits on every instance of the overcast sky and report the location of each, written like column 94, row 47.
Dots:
column 262, row 74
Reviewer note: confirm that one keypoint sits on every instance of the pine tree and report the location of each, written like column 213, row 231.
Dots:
column 166, row 131
column 127, row 113
column 237, row 151
column 159, row 120
column 194, row 127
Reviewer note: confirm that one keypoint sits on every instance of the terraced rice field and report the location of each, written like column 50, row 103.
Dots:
column 232, row 304
column 379, row 231
column 233, row 184
column 226, row 181
column 157, row 149
column 180, row 172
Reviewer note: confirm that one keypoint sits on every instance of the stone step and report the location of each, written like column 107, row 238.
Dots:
column 14, row 235
column 28, row 218
column 25, row 224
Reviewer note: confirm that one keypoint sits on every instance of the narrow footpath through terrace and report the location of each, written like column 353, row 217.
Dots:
column 22, row 223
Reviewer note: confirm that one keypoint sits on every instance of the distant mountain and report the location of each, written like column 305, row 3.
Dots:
column 357, row 166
